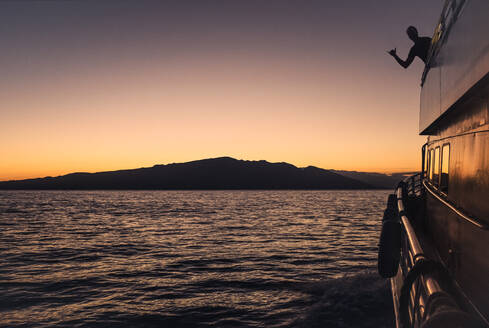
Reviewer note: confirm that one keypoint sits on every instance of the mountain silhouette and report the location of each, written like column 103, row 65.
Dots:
column 378, row 180
column 214, row 173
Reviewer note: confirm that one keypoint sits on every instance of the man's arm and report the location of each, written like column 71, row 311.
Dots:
column 403, row 63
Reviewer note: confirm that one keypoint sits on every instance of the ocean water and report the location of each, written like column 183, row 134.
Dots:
column 192, row 259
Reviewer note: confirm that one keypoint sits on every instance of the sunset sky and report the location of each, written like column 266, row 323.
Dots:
column 104, row 85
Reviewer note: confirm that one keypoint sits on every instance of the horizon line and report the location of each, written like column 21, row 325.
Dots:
column 387, row 172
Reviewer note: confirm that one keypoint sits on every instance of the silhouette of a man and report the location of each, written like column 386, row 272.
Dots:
column 421, row 48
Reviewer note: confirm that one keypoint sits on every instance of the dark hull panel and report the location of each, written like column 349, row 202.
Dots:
column 463, row 249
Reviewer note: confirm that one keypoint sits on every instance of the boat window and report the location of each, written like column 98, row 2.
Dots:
column 425, row 160
column 436, row 167
column 445, row 163
column 432, row 158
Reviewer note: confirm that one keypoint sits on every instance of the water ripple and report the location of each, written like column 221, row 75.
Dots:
column 191, row 259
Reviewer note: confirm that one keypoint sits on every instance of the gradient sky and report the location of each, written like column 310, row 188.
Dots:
column 103, row 85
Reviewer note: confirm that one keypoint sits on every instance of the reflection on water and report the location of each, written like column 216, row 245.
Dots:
column 191, row 259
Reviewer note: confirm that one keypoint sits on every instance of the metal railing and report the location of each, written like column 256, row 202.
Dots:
column 424, row 278
column 414, row 185
column 413, row 252
column 428, row 288
column 460, row 212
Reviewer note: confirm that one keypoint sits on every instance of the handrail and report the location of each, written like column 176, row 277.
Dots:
column 413, row 183
column 413, row 241
column 429, row 284
column 413, row 251
column 464, row 216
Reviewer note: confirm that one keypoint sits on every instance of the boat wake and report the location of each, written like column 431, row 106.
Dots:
column 354, row 300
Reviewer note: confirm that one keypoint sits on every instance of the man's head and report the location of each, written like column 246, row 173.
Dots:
column 412, row 32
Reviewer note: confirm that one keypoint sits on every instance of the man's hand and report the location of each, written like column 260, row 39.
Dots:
column 403, row 63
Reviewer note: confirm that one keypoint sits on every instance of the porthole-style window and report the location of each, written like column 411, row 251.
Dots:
column 445, row 165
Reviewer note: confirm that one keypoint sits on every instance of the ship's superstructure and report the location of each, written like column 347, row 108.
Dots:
column 438, row 222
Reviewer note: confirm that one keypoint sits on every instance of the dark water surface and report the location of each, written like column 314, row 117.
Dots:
column 191, row 259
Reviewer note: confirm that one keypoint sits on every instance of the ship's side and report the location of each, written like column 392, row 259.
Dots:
column 457, row 151
column 457, row 197
column 444, row 218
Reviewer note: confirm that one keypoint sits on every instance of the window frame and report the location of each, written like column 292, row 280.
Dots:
column 432, row 158
column 436, row 167
column 436, row 175
column 443, row 187
column 425, row 161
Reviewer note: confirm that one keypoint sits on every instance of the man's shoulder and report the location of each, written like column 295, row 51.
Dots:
column 422, row 43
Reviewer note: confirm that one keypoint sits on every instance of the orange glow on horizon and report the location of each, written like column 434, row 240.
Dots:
column 288, row 116
column 118, row 94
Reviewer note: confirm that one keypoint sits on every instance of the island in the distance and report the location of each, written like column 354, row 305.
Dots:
column 212, row 174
